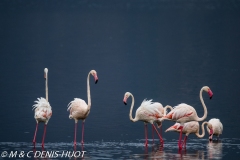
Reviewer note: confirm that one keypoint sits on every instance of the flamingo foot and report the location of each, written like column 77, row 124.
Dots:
column 74, row 143
column 82, row 142
column 42, row 145
column 146, row 144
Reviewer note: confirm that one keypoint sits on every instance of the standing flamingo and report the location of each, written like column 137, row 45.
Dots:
column 188, row 128
column 43, row 110
column 217, row 128
column 148, row 112
column 79, row 109
column 183, row 113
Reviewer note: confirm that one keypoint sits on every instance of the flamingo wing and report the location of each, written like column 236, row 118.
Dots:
column 180, row 111
column 153, row 109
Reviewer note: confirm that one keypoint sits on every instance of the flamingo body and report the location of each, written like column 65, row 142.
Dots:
column 78, row 109
column 217, row 128
column 43, row 110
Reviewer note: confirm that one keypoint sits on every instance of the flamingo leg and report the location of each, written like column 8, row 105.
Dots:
column 160, row 137
column 44, row 134
column 82, row 131
column 146, row 135
column 184, row 141
column 35, row 134
column 153, row 133
column 180, row 138
column 75, row 134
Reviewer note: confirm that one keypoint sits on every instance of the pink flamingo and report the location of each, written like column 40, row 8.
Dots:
column 191, row 127
column 184, row 113
column 79, row 109
column 43, row 110
column 217, row 128
column 148, row 112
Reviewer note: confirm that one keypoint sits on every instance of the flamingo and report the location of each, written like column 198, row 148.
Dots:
column 79, row 109
column 191, row 127
column 148, row 112
column 43, row 110
column 217, row 128
column 183, row 113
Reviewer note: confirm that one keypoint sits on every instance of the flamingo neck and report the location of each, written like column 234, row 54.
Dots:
column 46, row 87
column 130, row 113
column 165, row 109
column 204, row 107
column 88, row 91
column 203, row 131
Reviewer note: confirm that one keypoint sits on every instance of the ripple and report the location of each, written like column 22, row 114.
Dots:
column 196, row 149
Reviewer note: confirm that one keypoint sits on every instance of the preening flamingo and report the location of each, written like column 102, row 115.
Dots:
column 217, row 128
column 183, row 113
column 148, row 112
column 43, row 110
column 78, row 108
column 191, row 127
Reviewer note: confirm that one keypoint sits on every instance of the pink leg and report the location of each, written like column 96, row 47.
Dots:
column 34, row 138
column 153, row 133
column 146, row 135
column 44, row 134
column 75, row 134
column 82, row 131
column 184, row 141
column 160, row 137
column 180, row 138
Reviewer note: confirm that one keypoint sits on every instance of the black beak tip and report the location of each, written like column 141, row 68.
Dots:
column 96, row 81
column 125, row 103
column 211, row 97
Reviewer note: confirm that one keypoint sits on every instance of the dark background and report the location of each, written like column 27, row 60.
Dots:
column 160, row 50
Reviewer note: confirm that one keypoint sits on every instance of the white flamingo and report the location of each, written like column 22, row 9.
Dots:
column 43, row 110
column 184, row 113
column 191, row 127
column 78, row 108
column 217, row 128
column 148, row 112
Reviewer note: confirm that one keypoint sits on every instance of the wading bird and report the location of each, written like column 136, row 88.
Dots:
column 148, row 112
column 78, row 108
column 183, row 113
column 217, row 128
column 43, row 110
column 190, row 128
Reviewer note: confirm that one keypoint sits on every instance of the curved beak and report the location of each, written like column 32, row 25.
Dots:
column 96, row 79
column 210, row 93
column 125, row 100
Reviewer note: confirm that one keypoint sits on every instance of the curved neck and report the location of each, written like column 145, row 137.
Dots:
column 130, row 113
column 203, row 131
column 46, row 87
column 204, row 107
column 165, row 109
column 88, row 91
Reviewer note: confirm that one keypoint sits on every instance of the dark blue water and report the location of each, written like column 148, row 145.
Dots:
column 160, row 50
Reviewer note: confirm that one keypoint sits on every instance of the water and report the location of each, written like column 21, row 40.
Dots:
column 160, row 50
column 197, row 149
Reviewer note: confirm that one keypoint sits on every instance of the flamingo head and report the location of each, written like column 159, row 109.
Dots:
column 210, row 131
column 45, row 72
column 208, row 90
column 175, row 127
column 94, row 74
column 127, row 94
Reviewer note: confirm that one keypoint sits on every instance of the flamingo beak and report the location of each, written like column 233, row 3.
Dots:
column 125, row 100
column 210, row 134
column 96, row 79
column 210, row 93
column 172, row 128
